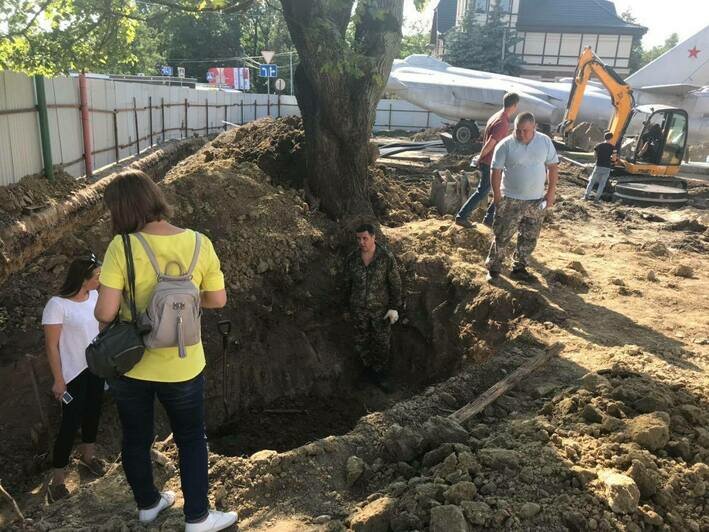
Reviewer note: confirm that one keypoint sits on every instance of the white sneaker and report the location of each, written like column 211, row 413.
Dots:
column 167, row 499
column 214, row 521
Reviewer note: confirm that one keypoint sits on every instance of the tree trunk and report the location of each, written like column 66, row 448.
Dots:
column 338, row 84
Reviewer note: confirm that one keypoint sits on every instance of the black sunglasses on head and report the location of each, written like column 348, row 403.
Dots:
column 93, row 261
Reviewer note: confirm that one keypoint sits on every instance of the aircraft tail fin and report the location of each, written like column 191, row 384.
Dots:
column 685, row 64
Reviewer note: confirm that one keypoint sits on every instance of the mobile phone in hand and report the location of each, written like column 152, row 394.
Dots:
column 67, row 398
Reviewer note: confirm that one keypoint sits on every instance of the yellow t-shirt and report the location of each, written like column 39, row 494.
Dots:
column 163, row 364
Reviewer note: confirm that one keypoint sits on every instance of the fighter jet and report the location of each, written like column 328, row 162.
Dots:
column 680, row 77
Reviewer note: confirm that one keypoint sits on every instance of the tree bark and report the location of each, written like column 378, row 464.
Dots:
column 338, row 82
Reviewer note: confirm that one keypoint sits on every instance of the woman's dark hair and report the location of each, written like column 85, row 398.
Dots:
column 134, row 200
column 79, row 271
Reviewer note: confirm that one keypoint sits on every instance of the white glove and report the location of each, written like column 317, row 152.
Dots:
column 392, row 315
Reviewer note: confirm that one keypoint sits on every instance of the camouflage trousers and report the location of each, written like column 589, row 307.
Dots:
column 523, row 217
column 371, row 338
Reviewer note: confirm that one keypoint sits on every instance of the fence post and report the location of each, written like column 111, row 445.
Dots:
column 137, row 131
column 241, row 105
column 268, row 105
column 390, row 117
column 115, row 135
column 226, row 106
column 206, row 116
column 186, row 106
column 279, row 104
column 44, row 127
column 86, row 125
column 150, row 117
column 428, row 119
column 255, row 109
column 162, row 116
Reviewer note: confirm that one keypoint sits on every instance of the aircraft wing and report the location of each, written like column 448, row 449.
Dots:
column 677, row 89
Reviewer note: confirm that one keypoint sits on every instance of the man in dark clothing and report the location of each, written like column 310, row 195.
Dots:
column 602, row 170
column 497, row 128
column 650, row 144
column 373, row 290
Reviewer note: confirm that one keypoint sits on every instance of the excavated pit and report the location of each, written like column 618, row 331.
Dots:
column 291, row 376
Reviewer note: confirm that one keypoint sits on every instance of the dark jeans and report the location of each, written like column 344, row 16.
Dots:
column 479, row 195
column 84, row 411
column 184, row 404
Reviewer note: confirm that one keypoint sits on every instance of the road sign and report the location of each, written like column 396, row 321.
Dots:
column 166, row 70
column 280, row 84
column 180, row 72
column 210, row 77
column 267, row 56
column 268, row 71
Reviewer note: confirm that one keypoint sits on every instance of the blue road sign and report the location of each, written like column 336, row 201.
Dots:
column 166, row 70
column 268, row 71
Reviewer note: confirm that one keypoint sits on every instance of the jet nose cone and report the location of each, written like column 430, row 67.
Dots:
column 394, row 85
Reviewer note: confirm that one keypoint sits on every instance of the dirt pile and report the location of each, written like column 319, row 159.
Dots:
column 33, row 193
column 275, row 145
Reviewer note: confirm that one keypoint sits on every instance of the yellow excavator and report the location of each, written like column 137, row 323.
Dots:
column 650, row 140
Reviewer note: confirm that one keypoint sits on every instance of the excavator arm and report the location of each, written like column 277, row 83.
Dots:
column 620, row 92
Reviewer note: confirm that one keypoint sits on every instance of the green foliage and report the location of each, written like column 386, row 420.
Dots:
column 418, row 43
column 60, row 35
column 479, row 46
column 639, row 57
column 656, row 51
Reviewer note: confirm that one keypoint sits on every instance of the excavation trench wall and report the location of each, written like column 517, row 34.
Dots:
column 31, row 235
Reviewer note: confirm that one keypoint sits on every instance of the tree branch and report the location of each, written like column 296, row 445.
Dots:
column 239, row 5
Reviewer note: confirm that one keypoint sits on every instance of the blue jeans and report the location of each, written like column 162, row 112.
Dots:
column 479, row 195
column 599, row 177
column 184, row 404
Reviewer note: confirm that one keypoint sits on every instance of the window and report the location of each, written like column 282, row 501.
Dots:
column 481, row 6
column 625, row 45
column 534, row 44
column 505, row 5
column 676, row 138
column 570, row 44
column 607, row 45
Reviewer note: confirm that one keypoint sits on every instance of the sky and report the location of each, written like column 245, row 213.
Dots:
column 661, row 17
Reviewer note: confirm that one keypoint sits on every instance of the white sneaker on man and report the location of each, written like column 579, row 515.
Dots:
column 214, row 521
column 167, row 499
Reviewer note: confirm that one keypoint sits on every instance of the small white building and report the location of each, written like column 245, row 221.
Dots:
column 552, row 33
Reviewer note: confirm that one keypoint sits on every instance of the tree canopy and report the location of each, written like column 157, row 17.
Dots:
column 486, row 46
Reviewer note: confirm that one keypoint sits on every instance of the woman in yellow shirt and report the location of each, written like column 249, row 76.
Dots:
column 136, row 205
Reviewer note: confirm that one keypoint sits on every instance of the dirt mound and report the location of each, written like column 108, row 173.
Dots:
column 275, row 145
column 33, row 193
column 395, row 201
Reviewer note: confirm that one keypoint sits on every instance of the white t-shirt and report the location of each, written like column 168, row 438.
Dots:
column 79, row 327
column 524, row 166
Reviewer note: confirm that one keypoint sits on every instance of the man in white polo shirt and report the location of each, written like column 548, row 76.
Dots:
column 520, row 167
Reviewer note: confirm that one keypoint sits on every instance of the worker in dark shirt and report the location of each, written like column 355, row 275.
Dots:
column 650, row 144
column 373, row 291
column 602, row 170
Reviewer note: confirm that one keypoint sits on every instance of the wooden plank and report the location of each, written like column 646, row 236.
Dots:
column 506, row 384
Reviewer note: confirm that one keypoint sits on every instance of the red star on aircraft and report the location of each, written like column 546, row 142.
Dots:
column 694, row 53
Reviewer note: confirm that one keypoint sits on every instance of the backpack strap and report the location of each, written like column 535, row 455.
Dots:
column 195, row 256
column 156, row 266
column 149, row 253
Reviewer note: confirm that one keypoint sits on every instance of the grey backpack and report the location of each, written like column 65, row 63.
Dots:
column 173, row 312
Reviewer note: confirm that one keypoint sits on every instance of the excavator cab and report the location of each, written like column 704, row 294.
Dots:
column 656, row 135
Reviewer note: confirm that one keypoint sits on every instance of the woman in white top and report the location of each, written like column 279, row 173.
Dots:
column 69, row 327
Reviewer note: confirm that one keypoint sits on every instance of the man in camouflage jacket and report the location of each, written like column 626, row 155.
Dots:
column 373, row 291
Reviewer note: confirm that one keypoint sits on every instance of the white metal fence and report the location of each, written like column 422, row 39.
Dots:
column 126, row 118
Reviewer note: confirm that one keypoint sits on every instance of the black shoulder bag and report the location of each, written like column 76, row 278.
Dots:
column 119, row 346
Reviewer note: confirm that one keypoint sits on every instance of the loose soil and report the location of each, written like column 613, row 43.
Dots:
column 611, row 435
